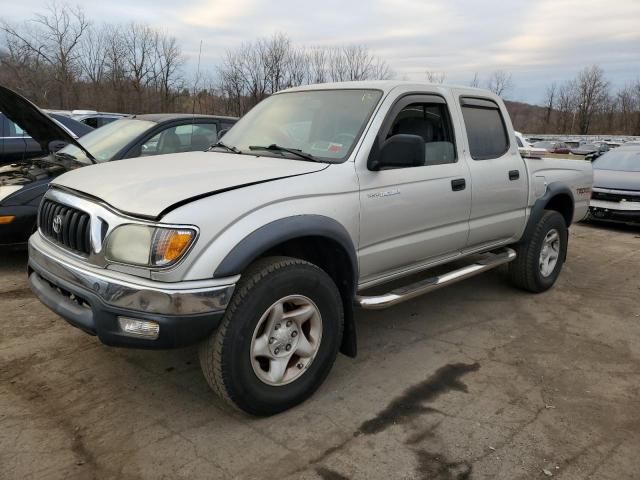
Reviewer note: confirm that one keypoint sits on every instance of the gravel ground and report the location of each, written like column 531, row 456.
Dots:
column 475, row 381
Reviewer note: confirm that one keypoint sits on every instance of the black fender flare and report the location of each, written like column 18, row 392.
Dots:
column 279, row 231
column 289, row 228
column 553, row 189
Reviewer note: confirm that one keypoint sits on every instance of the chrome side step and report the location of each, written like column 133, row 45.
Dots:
column 487, row 261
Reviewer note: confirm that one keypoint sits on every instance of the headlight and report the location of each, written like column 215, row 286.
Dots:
column 148, row 246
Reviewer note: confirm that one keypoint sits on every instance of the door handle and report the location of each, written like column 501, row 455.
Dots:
column 514, row 174
column 458, row 184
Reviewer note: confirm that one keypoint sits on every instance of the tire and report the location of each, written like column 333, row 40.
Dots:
column 227, row 357
column 526, row 271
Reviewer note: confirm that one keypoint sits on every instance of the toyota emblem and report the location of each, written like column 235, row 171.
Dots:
column 57, row 223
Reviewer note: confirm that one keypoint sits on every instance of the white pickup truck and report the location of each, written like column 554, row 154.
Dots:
column 259, row 248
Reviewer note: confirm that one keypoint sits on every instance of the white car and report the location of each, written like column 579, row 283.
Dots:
column 526, row 149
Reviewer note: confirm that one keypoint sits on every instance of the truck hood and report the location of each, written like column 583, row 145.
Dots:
column 616, row 180
column 151, row 186
column 42, row 128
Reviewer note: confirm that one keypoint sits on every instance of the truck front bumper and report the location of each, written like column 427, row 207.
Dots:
column 99, row 303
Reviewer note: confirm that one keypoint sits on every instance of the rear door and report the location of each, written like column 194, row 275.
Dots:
column 499, row 177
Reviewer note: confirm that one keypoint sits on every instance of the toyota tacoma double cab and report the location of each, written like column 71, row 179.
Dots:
column 260, row 248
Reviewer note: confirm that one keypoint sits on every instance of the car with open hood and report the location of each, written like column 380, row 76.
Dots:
column 616, row 186
column 16, row 144
column 259, row 249
column 23, row 182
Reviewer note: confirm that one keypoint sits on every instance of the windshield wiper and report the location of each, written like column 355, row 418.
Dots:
column 294, row 151
column 226, row 147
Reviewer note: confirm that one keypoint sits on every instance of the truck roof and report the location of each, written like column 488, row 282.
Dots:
column 388, row 85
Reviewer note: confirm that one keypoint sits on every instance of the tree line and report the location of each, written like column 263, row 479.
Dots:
column 588, row 104
column 61, row 60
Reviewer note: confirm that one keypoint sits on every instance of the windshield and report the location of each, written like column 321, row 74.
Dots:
column 105, row 142
column 321, row 123
column 621, row 159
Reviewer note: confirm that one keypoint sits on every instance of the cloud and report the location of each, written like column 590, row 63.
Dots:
column 538, row 41
column 217, row 13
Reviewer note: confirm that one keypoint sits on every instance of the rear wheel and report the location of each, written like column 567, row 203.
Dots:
column 279, row 337
column 540, row 258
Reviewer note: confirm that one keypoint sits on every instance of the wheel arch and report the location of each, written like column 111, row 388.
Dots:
column 559, row 198
column 315, row 238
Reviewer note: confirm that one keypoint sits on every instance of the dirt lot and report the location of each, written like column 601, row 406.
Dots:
column 475, row 381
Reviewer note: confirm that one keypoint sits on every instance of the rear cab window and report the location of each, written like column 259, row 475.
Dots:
column 486, row 130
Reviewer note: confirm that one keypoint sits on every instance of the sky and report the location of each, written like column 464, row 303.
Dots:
column 537, row 41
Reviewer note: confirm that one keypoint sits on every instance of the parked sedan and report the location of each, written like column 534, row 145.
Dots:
column 23, row 183
column 590, row 149
column 616, row 186
column 553, row 147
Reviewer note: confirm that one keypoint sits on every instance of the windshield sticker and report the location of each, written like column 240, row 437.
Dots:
column 335, row 147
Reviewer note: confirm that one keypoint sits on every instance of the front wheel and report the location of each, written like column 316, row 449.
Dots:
column 279, row 337
column 540, row 258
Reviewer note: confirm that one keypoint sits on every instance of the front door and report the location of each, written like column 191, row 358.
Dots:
column 411, row 216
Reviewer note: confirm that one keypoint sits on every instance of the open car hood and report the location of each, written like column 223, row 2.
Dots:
column 31, row 119
column 151, row 186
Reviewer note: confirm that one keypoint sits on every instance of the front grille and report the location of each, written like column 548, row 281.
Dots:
column 615, row 197
column 72, row 229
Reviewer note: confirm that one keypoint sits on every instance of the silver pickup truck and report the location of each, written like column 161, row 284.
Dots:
column 259, row 249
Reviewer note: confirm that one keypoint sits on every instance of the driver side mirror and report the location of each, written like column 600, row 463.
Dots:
column 398, row 151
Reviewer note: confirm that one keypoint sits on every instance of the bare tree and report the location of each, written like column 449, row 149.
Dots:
column 435, row 77
column 298, row 66
column 566, row 107
column 318, row 60
column 550, row 102
column 116, row 66
column 53, row 37
column 500, row 82
column 636, row 88
column 169, row 62
column 591, row 90
column 380, row 70
column 93, row 61
column 140, row 48
column 257, row 69
column 628, row 101
column 475, row 81
column 276, row 54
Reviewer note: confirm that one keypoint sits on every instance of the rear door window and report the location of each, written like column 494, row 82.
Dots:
column 485, row 127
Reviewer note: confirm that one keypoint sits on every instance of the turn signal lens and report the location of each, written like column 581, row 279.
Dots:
column 6, row 219
column 133, row 327
column 170, row 245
